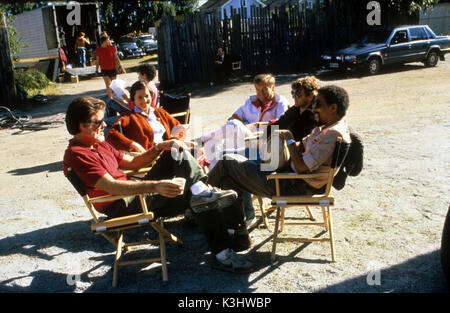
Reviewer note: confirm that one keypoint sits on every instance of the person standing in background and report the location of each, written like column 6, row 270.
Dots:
column 80, row 49
column 106, row 59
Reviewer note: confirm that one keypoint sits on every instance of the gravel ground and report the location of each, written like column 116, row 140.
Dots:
column 387, row 221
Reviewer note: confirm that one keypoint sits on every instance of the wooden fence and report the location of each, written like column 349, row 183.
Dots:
column 275, row 40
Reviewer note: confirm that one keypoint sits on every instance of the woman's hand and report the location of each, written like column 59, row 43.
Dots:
column 137, row 147
column 179, row 132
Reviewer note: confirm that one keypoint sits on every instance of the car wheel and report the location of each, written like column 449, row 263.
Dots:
column 445, row 243
column 432, row 59
column 374, row 66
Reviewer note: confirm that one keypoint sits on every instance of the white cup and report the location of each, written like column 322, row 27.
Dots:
column 180, row 181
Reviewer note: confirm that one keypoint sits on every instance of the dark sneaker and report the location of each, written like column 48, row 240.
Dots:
column 189, row 219
column 233, row 263
column 216, row 199
column 240, row 242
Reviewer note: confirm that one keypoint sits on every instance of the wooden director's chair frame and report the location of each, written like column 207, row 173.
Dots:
column 106, row 228
column 325, row 201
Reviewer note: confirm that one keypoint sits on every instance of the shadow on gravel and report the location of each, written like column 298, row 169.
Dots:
column 50, row 167
column 71, row 246
column 420, row 274
column 69, row 237
column 188, row 266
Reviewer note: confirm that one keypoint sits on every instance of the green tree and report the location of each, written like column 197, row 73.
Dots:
column 408, row 6
column 122, row 17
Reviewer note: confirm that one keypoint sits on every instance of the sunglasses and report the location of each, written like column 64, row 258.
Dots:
column 316, row 103
column 296, row 93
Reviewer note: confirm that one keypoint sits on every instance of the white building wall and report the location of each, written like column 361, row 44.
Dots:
column 30, row 29
column 237, row 4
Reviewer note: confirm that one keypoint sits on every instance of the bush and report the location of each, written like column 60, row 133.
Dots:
column 30, row 81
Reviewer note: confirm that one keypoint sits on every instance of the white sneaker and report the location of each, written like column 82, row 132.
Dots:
column 213, row 199
column 233, row 263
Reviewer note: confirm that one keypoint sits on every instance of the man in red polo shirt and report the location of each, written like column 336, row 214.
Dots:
column 97, row 165
column 106, row 58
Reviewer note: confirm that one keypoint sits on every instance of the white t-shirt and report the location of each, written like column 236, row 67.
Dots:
column 156, row 125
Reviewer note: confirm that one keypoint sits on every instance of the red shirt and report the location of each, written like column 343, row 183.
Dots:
column 106, row 56
column 92, row 163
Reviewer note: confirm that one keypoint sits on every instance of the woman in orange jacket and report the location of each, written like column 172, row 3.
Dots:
column 144, row 126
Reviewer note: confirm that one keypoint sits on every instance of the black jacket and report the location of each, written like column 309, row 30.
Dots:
column 299, row 125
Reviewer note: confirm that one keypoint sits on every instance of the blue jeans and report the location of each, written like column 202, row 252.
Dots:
column 249, row 209
column 81, row 52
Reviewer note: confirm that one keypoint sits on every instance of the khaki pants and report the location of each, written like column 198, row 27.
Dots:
column 212, row 223
column 234, row 173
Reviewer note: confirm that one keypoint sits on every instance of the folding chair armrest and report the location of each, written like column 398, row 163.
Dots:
column 178, row 114
column 257, row 135
column 123, row 222
column 250, row 138
column 112, row 197
column 295, row 175
column 108, row 198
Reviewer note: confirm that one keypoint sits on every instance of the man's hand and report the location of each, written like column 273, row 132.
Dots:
column 168, row 188
column 284, row 134
column 175, row 143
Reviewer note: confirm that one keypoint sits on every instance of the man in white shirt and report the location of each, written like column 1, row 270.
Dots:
column 265, row 106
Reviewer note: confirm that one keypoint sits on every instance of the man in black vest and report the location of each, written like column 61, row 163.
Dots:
column 220, row 67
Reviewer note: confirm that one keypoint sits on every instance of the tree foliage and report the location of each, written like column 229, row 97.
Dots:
column 408, row 6
column 122, row 17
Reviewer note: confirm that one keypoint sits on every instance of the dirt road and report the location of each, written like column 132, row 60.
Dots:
column 388, row 221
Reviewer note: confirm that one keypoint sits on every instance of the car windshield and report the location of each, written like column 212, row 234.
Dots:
column 127, row 40
column 376, row 36
column 146, row 38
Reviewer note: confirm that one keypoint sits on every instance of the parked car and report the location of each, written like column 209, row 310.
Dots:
column 383, row 46
column 118, row 51
column 147, row 43
column 128, row 48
